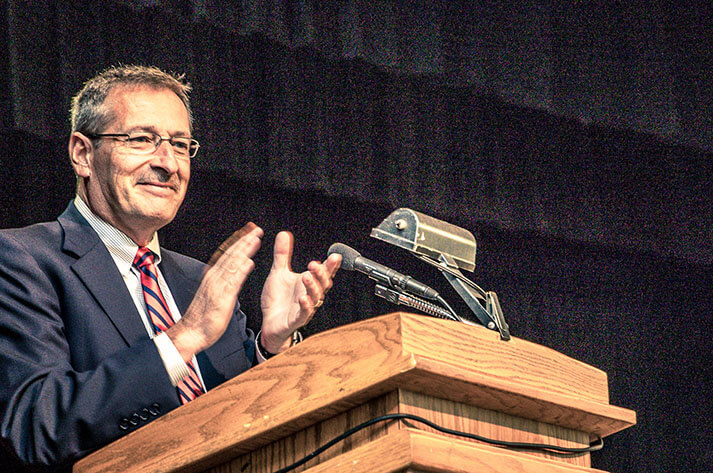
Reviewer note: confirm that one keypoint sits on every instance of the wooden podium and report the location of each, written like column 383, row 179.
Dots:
column 458, row 376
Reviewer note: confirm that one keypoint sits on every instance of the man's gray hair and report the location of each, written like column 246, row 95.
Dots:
column 89, row 115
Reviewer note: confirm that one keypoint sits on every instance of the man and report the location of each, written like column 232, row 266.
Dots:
column 101, row 330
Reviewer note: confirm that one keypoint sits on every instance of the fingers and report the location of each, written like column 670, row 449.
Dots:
column 232, row 239
column 232, row 261
column 307, row 310
column 323, row 273
column 332, row 263
column 284, row 244
column 318, row 280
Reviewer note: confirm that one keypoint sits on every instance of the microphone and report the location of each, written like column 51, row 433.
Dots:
column 352, row 260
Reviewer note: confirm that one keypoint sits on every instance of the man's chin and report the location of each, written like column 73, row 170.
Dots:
column 156, row 216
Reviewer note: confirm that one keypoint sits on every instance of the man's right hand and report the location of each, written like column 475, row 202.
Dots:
column 212, row 307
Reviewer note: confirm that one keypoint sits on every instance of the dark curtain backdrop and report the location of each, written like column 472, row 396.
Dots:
column 574, row 143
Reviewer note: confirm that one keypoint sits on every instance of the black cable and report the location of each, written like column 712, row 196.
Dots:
column 552, row 449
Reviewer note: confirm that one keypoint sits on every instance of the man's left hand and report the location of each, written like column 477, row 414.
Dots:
column 289, row 299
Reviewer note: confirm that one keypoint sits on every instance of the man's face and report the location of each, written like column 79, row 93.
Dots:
column 139, row 193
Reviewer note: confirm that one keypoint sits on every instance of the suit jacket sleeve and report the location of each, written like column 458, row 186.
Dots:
column 71, row 379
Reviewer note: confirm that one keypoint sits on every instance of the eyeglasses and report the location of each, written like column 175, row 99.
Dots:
column 148, row 142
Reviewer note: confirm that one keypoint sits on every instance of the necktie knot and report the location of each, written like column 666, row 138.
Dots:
column 144, row 257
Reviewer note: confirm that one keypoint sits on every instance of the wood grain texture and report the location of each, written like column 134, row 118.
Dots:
column 443, row 380
column 516, row 361
column 338, row 370
column 415, row 451
column 448, row 414
column 491, row 425
column 290, row 449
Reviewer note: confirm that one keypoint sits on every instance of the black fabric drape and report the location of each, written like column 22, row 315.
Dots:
column 473, row 112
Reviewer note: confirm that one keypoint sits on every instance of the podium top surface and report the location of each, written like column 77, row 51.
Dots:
column 335, row 370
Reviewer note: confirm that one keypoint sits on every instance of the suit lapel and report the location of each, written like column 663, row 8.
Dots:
column 96, row 269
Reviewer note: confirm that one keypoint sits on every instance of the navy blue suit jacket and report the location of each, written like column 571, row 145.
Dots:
column 77, row 368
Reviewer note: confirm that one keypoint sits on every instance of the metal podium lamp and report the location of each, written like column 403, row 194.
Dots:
column 450, row 249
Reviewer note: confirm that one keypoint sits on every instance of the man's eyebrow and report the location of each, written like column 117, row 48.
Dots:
column 153, row 129
column 140, row 128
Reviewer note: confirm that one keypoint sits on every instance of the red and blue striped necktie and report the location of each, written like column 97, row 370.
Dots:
column 190, row 387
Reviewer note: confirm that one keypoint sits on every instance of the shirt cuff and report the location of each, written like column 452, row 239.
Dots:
column 176, row 368
column 258, row 352
column 260, row 357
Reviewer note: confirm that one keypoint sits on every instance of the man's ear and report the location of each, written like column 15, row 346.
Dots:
column 81, row 153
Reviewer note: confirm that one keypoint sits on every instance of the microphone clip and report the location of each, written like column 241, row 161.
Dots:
column 402, row 298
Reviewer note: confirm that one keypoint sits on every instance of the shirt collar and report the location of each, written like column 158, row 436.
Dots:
column 120, row 246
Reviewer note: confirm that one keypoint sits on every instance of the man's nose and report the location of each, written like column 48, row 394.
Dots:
column 165, row 157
